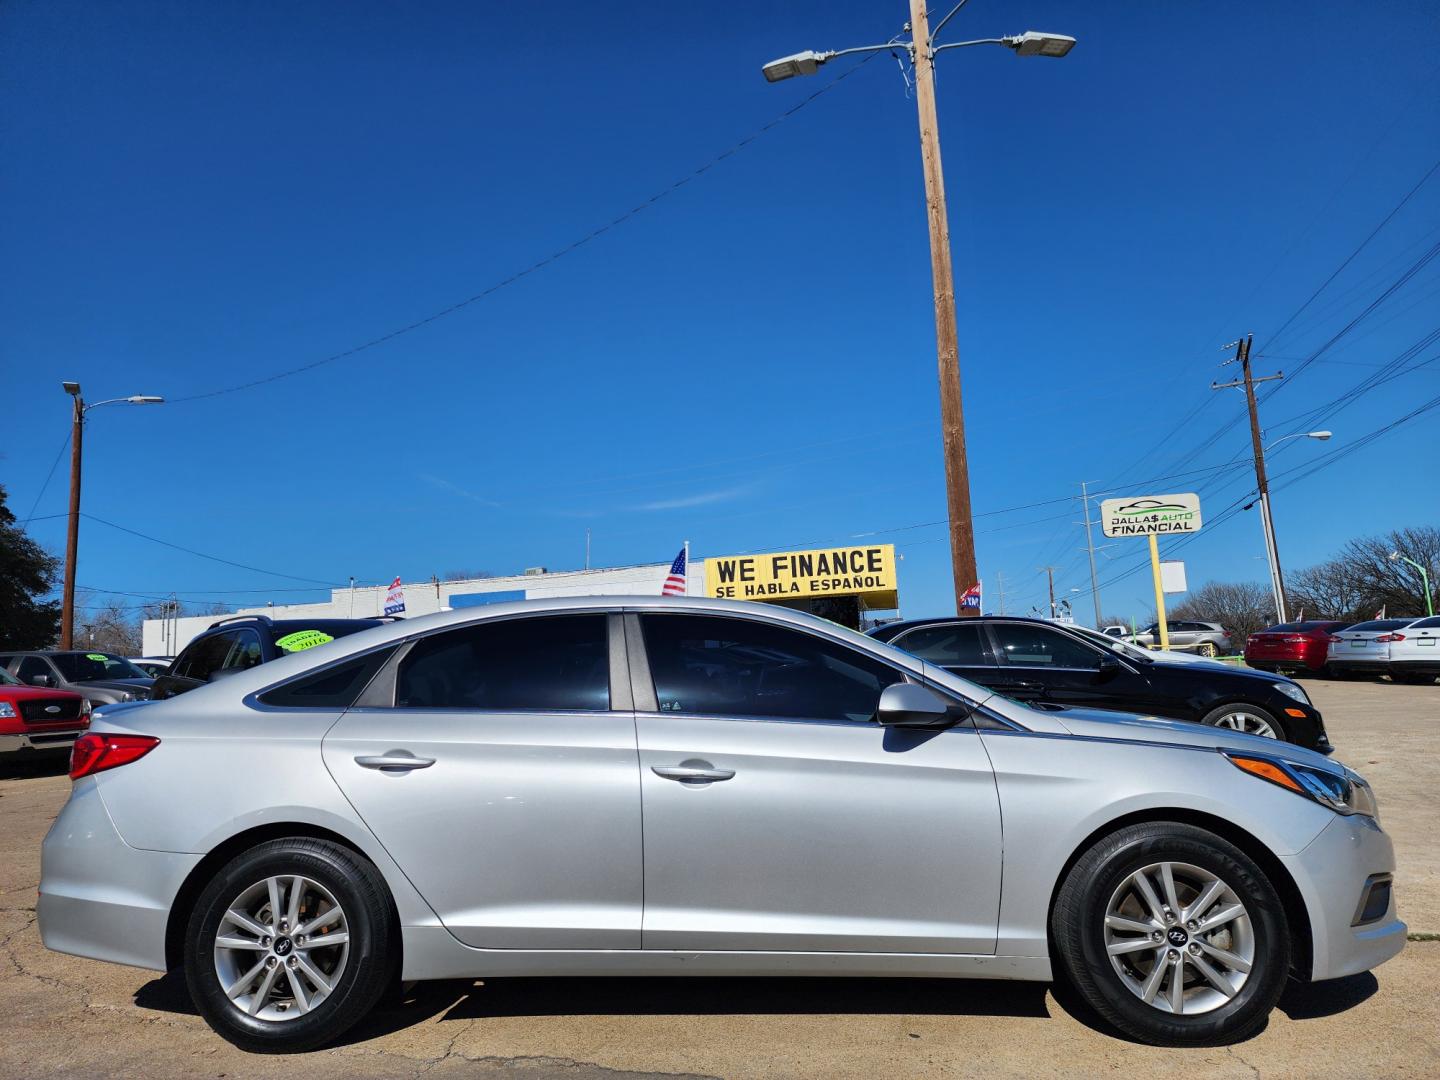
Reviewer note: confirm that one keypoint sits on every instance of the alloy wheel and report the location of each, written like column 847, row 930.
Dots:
column 281, row 947
column 1248, row 722
column 1179, row 938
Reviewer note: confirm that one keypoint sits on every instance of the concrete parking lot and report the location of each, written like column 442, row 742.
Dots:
column 72, row 1017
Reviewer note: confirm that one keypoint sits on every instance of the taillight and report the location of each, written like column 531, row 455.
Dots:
column 97, row 751
column 1390, row 637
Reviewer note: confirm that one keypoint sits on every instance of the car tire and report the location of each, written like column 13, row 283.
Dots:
column 1100, row 901
column 338, row 982
column 1251, row 719
column 1208, row 649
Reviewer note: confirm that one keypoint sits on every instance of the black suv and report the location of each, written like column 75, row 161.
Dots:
column 242, row 641
column 1046, row 664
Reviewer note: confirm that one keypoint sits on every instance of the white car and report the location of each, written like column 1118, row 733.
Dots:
column 1415, row 652
column 1364, row 649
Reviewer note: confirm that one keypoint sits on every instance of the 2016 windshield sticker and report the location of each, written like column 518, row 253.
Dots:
column 301, row 640
column 96, row 656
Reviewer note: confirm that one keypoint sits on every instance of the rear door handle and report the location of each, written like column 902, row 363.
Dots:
column 402, row 762
column 695, row 776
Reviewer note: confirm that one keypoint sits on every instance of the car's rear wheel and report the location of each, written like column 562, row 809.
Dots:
column 1174, row 935
column 1207, row 648
column 1251, row 719
column 289, row 945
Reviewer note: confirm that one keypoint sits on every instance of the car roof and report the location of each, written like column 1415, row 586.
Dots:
column 886, row 631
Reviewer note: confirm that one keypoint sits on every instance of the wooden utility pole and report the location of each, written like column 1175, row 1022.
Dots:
column 952, row 416
column 1050, row 577
column 1090, row 547
column 72, row 538
column 1272, row 552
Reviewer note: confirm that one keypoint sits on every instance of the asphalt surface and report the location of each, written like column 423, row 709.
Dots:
column 77, row 1018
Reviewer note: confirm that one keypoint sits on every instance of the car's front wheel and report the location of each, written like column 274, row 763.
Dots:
column 1251, row 719
column 289, row 945
column 1174, row 935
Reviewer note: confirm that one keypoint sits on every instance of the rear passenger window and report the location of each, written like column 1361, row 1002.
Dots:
column 334, row 688
column 557, row 662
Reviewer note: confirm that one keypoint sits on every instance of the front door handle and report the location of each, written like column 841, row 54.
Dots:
column 686, row 774
column 401, row 761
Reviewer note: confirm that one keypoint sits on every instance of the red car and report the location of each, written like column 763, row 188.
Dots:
column 1292, row 647
column 35, row 718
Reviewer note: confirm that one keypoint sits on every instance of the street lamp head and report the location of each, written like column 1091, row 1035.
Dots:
column 1035, row 43
column 787, row 67
column 71, row 388
column 1394, row 556
column 1321, row 435
column 145, row 399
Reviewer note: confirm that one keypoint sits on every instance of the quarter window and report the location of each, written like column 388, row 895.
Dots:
column 1023, row 645
column 951, row 645
column 556, row 662
column 738, row 667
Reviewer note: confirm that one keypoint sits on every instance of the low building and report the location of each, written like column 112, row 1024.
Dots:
column 845, row 584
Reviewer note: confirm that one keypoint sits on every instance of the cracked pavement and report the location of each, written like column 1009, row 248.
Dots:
column 64, row 1016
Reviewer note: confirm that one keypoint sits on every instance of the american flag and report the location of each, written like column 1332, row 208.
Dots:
column 675, row 583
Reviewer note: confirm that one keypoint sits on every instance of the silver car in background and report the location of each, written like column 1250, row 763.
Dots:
column 1364, row 648
column 461, row 796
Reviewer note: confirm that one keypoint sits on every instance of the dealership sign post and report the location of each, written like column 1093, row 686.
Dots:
column 1151, row 516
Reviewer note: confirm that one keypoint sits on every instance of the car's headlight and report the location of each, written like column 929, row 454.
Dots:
column 1344, row 792
column 7, row 711
column 1293, row 690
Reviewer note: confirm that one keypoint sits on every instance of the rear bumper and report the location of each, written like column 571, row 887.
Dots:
column 1416, row 667
column 99, row 897
column 1332, row 873
column 1374, row 665
column 23, row 741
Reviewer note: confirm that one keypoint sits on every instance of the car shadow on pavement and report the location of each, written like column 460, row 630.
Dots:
column 29, row 766
column 1311, row 1001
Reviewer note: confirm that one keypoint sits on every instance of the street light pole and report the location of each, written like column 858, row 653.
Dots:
column 922, row 50
column 1395, row 556
column 72, row 537
column 947, row 345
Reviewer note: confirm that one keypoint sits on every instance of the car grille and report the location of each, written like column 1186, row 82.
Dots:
column 50, row 711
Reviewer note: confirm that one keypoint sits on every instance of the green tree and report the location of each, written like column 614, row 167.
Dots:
column 27, row 573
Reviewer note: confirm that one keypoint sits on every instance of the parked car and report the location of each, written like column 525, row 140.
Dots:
column 1139, row 652
column 154, row 666
column 1364, row 648
column 238, row 642
column 461, row 796
column 34, row 719
column 1037, row 661
column 1115, row 631
column 1293, row 646
column 1415, row 652
column 1205, row 638
column 102, row 678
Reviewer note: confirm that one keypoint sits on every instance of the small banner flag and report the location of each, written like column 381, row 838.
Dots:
column 971, row 600
column 675, row 582
column 395, row 598
column 1381, row 613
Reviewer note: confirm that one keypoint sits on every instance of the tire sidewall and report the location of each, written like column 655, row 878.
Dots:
column 1272, row 942
column 1282, row 732
column 366, row 965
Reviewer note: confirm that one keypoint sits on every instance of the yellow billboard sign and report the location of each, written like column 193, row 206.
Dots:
column 867, row 572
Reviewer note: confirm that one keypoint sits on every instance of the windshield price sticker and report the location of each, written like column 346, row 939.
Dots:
column 1150, row 515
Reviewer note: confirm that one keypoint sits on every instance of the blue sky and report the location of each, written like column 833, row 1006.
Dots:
column 200, row 196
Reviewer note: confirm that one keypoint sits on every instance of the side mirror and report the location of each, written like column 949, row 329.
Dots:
column 1109, row 667
column 40, row 680
column 910, row 705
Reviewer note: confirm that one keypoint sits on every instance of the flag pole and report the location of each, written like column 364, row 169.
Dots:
column 687, row 567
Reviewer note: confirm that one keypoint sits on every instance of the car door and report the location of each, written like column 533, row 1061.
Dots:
column 780, row 817
column 1060, row 669
column 36, row 671
column 499, row 770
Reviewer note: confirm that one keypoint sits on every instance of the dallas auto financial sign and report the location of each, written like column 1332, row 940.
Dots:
column 1157, row 515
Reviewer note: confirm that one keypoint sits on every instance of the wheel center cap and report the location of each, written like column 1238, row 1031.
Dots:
column 1177, row 936
column 283, row 945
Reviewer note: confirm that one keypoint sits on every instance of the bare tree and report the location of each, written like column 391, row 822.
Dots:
column 111, row 628
column 1328, row 590
column 1390, row 583
column 1242, row 607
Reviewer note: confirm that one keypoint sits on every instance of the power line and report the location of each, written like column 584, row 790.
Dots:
column 36, row 504
column 568, row 249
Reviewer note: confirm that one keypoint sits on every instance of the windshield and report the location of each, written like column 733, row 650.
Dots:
column 88, row 667
column 1124, row 648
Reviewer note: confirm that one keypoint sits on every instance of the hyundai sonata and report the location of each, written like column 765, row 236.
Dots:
column 462, row 796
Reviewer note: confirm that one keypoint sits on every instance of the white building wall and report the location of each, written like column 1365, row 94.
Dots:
column 167, row 637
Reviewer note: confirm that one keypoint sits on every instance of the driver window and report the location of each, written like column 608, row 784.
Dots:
column 719, row 666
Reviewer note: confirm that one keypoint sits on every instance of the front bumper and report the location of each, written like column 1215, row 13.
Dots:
column 22, row 741
column 1332, row 873
column 99, row 897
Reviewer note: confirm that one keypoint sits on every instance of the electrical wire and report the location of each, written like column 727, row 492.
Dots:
column 48, row 476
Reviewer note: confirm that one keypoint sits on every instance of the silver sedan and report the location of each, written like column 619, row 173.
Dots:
column 463, row 795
